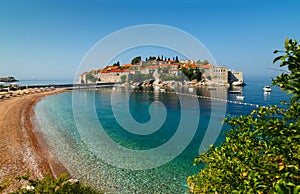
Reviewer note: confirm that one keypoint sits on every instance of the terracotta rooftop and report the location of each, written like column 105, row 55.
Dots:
column 208, row 66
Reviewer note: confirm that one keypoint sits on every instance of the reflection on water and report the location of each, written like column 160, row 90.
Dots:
column 267, row 95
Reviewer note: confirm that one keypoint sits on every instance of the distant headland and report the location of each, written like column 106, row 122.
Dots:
column 8, row 79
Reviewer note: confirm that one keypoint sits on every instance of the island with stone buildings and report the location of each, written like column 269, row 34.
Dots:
column 159, row 70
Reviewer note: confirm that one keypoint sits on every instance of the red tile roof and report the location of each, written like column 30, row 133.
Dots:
column 206, row 66
column 127, row 65
column 119, row 71
column 188, row 66
column 164, row 65
column 112, row 67
column 84, row 73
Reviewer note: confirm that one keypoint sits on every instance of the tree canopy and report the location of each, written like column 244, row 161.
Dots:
column 261, row 152
column 117, row 64
column 136, row 60
column 192, row 74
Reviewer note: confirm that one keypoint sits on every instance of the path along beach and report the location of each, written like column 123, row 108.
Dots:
column 22, row 148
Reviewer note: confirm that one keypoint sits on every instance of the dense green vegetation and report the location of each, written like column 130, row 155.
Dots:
column 47, row 185
column 139, row 77
column 136, row 60
column 123, row 78
column 168, row 77
column 261, row 153
column 192, row 74
column 91, row 77
column 117, row 64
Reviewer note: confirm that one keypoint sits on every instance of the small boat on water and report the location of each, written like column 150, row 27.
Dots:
column 211, row 88
column 238, row 83
column 235, row 92
column 267, row 89
column 163, row 90
column 156, row 88
column 191, row 89
column 240, row 97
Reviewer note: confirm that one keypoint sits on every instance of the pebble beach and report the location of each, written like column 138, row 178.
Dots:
column 22, row 149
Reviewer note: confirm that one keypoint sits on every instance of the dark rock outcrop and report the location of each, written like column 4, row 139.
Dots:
column 8, row 79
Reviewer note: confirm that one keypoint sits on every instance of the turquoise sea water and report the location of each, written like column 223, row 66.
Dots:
column 78, row 124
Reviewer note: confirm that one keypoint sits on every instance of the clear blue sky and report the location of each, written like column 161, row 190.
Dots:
column 49, row 38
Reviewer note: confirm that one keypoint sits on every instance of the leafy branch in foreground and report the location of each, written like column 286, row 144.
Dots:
column 261, row 152
column 48, row 185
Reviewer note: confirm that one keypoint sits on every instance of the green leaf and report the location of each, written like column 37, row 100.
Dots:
column 279, row 189
column 296, row 137
column 296, row 189
column 290, row 184
column 286, row 43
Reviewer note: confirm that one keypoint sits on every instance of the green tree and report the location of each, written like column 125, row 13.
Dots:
column 117, row 64
column 205, row 62
column 198, row 61
column 168, row 77
column 192, row 74
column 136, row 60
column 91, row 77
column 176, row 59
column 261, row 152
column 151, row 58
column 123, row 78
column 138, row 77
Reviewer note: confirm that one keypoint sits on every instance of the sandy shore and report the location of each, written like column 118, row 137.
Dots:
column 21, row 148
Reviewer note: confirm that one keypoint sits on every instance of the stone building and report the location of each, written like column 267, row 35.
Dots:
column 219, row 75
column 235, row 78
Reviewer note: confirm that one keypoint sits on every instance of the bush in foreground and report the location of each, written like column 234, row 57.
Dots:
column 261, row 152
column 48, row 185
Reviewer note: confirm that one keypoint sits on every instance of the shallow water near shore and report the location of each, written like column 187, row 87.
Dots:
column 69, row 144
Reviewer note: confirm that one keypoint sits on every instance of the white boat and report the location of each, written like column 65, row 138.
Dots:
column 156, row 88
column 235, row 92
column 267, row 89
column 238, row 83
column 240, row 97
column 162, row 90
column 211, row 88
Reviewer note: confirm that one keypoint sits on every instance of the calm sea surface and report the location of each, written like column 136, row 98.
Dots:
column 78, row 124
column 43, row 82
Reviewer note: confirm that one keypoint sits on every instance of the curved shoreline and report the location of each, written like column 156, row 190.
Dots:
column 22, row 147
